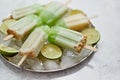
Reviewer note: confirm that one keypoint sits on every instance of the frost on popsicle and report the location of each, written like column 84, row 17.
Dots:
column 67, row 38
column 34, row 42
column 32, row 46
column 52, row 12
column 18, row 13
column 23, row 27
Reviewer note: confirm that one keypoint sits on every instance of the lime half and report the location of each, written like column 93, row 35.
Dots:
column 7, row 51
column 5, row 25
column 51, row 51
column 92, row 34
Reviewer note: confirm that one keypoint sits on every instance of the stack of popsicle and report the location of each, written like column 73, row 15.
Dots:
column 61, row 36
column 49, row 15
column 32, row 48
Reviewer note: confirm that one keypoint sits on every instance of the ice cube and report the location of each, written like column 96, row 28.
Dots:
column 68, row 52
column 72, row 54
column 84, row 52
column 33, row 63
column 67, row 61
column 15, row 59
column 51, row 65
column 19, row 42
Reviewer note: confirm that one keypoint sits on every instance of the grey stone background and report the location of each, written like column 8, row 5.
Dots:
column 103, row 65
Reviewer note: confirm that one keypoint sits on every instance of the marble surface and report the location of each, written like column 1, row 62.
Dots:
column 103, row 65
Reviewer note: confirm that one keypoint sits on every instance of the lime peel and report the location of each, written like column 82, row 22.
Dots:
column 7, row 51
column 93, row 36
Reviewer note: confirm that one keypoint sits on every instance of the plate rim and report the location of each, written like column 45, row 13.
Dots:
column 47, row 71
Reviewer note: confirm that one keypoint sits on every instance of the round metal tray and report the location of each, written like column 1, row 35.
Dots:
column 83, row 56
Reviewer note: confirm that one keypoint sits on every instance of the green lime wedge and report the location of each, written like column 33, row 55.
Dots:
column 93, row 36
column 5, row 25
column 51, row 51
column 7, row 51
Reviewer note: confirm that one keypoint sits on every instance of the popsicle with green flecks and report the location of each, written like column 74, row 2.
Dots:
column 52, row 12
column 23, row 27
column 33, row 44
column 32, row 9
column 68, row 39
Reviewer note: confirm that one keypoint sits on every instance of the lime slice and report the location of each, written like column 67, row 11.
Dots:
column 4, row 26
column 51, row 51
column 72, row 12
column 7, row 51
column 92, row 34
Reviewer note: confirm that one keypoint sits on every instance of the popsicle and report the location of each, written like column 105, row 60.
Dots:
column 33, row 44
column 75, row 22
column 23, row 27
column 18, row 13
column 68, row 39
column 53, row 11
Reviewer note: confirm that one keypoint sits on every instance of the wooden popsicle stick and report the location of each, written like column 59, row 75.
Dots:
column 90, row 48
column 22, row 60
column 8, row 37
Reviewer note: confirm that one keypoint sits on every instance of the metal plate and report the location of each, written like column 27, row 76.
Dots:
column 31, row 70
column 82, row 56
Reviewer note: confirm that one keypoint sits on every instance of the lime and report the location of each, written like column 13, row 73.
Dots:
column 4, row 26
column 7, row 51
column 51, row 51
column 92, row 34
